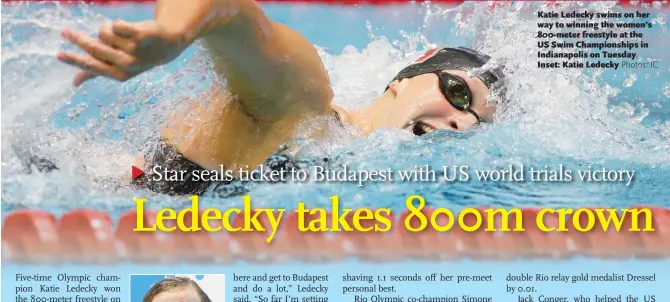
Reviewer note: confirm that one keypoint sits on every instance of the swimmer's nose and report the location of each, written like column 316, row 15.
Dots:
column 460, row 122
column 455, row 123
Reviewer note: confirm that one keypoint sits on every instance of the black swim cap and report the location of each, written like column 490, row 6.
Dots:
column 451, row 58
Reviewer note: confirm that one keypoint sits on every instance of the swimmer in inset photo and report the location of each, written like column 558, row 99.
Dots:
column 275, row 79
column 176, row 289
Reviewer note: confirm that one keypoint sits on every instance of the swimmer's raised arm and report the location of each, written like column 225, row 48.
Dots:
column 273, row 70
column 274, row 75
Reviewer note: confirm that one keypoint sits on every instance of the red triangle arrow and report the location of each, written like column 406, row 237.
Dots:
column 136, row 172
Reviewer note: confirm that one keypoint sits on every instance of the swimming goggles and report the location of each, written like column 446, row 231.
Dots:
column 457, row 92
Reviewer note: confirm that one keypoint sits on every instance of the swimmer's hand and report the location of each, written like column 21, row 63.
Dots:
column 123, row 49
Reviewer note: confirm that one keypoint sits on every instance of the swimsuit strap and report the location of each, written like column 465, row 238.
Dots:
column 337, row 116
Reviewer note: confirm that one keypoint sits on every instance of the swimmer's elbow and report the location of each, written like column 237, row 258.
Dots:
column 273, row 69
column 200, row 18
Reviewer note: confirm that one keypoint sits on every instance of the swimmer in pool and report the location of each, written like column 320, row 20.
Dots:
column 275, row 79
column 176, row 289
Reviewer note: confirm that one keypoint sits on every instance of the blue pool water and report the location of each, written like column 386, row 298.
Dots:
column 614, row 119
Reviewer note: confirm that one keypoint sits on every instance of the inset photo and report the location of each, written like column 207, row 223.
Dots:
column 178, row 287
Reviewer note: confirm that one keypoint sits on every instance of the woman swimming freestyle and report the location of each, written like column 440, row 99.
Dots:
column 275, row 79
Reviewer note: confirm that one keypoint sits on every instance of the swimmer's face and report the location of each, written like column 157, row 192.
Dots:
column 420, row 106
column 181, row 294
